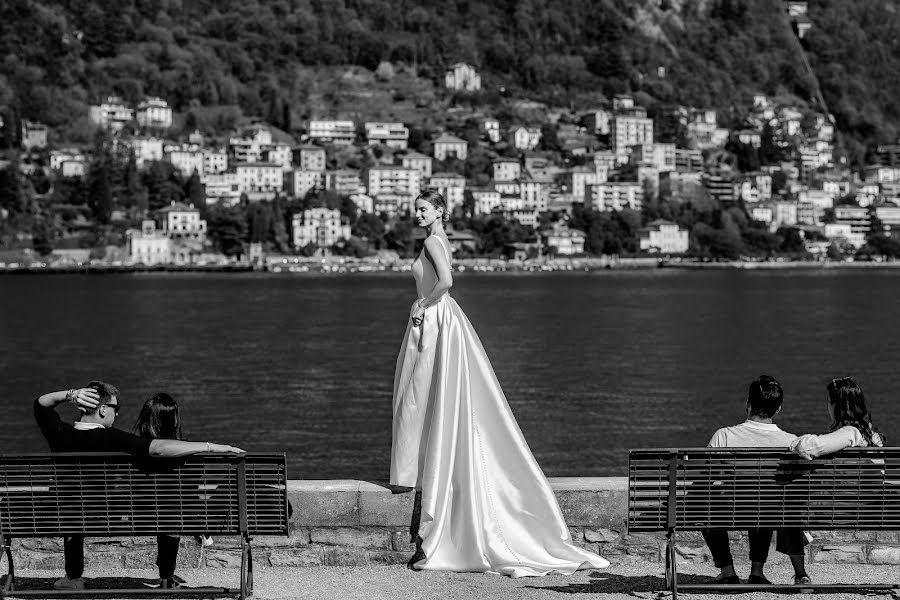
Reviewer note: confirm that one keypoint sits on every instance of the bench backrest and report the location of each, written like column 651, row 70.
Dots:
column 733, row 488
column 48, row 495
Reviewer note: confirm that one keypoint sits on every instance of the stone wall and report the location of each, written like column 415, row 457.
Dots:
column 350, row 523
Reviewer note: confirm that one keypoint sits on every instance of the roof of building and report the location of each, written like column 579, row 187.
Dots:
column 416, row 156
column 446, row 138
column 178, row 207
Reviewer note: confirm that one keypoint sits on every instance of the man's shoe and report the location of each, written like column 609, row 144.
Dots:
column 65, row 583
column 804, row 580
column 758, row 580
column 169, row 583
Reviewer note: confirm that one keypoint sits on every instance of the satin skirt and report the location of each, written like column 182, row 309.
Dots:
column 486, row 505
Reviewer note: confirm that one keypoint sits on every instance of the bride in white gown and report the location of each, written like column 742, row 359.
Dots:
column 486, row 505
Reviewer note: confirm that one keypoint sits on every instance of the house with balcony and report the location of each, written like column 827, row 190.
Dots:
column 663, row 237
column 451, row 186
column 391, row 135
column 112, row 114
column 34, row 135
column 154, row 113
column 560, row 240
column 310, row 157
column 323, row 227
column 339, row 133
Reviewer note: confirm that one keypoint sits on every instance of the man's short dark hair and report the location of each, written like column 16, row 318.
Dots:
column 106, row 390
column 765, row 397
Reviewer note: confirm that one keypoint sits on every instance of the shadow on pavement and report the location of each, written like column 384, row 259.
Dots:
column 610, row 583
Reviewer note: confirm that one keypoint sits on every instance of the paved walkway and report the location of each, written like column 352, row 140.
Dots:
column 622, row 581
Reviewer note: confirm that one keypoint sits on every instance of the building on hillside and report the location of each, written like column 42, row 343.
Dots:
column 215, row 161
column 145, row 149
column 688, row 160
column 597, row 121
column 888, row 155
column 763, row 213
column 560, row 240
column 462, row 77
column 889, row 215
column 449, row 146
column 187, row 158
column 750, row 137
column 386, row 179
column 857, row 217
column 628, row 130
column 492, row 130
column 154, row 113
column 720, row 188
column 576, row 181
column 526, row 138
column 392, row 204
column 340, row 133
column 257, row 146
column 69, row 162
column 392, row 135
column 182, row 222
column 843, row 232
column 344, row 182
column 663, row 237
column 222, row 188
column 604, row 161
column 364, row 202
column 451, row 186
column 882, row 174
column 784, row 213
column 323, row 227
column 417, row 161
column 148, row 245
column 299, row 182
column 34, row 135
column 260, row 178
column 614, row 195
column 819, row 198
column 507, row 169
column 112, row 114
column 663, row 157
column 310, row 157
column 486, row 200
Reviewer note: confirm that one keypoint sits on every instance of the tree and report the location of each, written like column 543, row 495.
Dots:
column 100, row 197
column 195, row 192
column 227, row 227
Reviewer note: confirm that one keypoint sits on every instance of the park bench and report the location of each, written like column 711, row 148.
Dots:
column 116, row 495
column 743, row 488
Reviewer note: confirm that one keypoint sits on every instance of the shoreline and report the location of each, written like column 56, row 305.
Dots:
column 463, row 266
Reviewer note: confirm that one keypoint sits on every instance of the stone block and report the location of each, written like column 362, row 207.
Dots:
column 39, row 544
column 325, row 508
column 692, row 553
column 228, row 559
column 887, row 536
column 600, row 534
column 884, row 555
column 379, row 507
column 388, row 557
column 226, row 541
column 27, row 559
column 143, row 559
column 834, row 553
column 305, row 556
column 361, row 537
column 104, row 559
column 577, row 534
column 299, row 536
column 343, row 556
column 593, row 508
column 400, row 541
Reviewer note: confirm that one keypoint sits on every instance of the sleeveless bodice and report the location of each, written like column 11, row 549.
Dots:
column 423, row 271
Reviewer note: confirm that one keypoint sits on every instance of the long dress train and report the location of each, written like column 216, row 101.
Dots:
column 486, row 505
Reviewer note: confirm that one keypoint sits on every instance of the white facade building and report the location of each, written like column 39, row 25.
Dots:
column 344, row 182
column 392, row 135
column 113, row 114
column 629, row 130
column 310, row 157
column 563, row 240
column 663, row 237
column 333, row 132
column 215, row 161
column 69, row 163
column 419, row 162
column 463, row 77
column 222, row 188
column 507, row 170
column 187, row 158
column 451, row 186
column 614, row 195
column 182, row 222
column 320, row 226
column 148, row 245
column 450, row 146
column 492, row 130
column 486, row 200
column 394, row 180
column 260, row 177
column 155, row 113
column 300, row 182
column 526, row 138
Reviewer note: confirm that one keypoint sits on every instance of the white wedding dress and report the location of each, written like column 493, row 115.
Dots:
column 486, row 505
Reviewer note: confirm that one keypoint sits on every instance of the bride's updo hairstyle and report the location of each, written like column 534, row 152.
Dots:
column 434, row 198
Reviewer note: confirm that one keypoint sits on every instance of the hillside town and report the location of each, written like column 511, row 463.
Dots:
column 773, row 167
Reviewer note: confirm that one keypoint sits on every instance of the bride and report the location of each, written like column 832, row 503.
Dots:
column 486, row 505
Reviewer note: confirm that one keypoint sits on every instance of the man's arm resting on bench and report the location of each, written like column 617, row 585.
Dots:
column 176, row 448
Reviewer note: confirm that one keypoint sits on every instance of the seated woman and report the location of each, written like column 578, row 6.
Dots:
column 852, row 426
column 159, row 419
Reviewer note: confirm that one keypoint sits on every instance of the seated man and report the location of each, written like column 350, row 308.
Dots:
column 94, row 432
column 763, row 402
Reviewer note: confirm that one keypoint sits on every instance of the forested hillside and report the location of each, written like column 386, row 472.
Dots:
column 56, row 57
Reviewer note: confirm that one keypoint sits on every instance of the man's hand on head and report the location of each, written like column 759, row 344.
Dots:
column 86, row 399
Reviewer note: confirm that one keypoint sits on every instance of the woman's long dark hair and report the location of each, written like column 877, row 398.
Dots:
column 159, row 418
column 848, row 405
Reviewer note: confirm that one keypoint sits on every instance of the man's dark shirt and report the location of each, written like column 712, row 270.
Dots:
column 63, row 437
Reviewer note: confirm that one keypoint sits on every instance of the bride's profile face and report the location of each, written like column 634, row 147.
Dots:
column 427, row 213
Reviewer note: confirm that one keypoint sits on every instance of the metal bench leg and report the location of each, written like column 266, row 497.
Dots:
column 671, row 564
column 10, row 584
column 246, row 568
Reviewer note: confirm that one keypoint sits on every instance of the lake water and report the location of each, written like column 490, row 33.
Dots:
column 592, row 363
